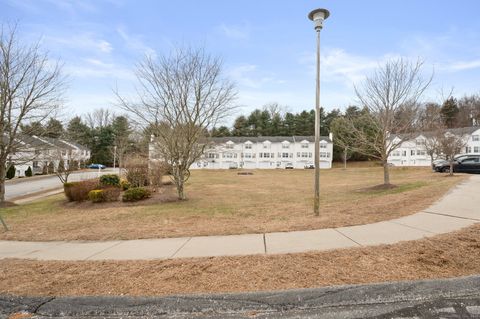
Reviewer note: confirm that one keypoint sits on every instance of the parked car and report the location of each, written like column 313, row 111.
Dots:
column 461, row 164
column 309, row 166
column 96, row 166
column 289, row 166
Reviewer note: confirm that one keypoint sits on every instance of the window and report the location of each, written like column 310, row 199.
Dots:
column 476, row 149
column 323, row 145
column 412, row 152
column 324, row 154
column 284, row 155
column 230, row 146
column 298, row 154
column 404, row 153
column 420, row 142
column 248, row 146
column 420, row 152
column 35, row 164
column 304, row 154
column 396, row 153
column 265, row 146
column 211, row 155
column 285, row 145
column 272, row 155
column 468, row 149
column 310, row 154
column 305, row 145
column 248, row 155
column 475, row 138
column 265, row 155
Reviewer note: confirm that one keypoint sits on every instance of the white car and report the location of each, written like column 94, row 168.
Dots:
column 289, row 166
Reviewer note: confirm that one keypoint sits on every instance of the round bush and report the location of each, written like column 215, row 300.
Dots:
column 135, row 194
column 110, row 180
column 96, row 196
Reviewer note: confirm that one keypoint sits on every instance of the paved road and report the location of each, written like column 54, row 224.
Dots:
column 452, row 298
column 25, row 186
column 458, row 209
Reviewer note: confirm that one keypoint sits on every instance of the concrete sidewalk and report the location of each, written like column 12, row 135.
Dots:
column 458, row 209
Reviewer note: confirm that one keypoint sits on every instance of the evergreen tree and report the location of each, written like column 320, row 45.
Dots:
column 28, row 172
column 11, row 172
column 54, row 128
column 51, row 168
column 33, row 128
column 79, row 132
column 61, row 166
column 240, row 126
column 449, row 112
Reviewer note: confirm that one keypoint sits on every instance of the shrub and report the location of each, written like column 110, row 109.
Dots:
column 96, row 196
column 11, row 172
column 157, row 171
column 51, row 168
column 78, row 191
column 136, row 169
column 111, row 194
column 135, row 194
column 61, row 166
column 110, row 180
column 29, row 172
column 124, row 184
column 44, row 170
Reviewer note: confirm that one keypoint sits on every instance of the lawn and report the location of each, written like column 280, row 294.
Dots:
column 442, row 256
column 222, row 202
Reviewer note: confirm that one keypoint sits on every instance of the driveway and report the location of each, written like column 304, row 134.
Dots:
column 26, row 186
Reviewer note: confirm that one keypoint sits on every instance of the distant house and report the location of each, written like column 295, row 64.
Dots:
column 264, row 152
column 37, row 152
column 412, row 152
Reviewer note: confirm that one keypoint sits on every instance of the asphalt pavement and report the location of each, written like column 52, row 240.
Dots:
column 26, row 186
column 448, row 298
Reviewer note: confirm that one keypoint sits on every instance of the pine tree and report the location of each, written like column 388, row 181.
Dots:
column 11, row 172
column 449, row 112
column 28, row 172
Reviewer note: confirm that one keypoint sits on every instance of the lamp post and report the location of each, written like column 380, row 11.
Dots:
column 317, row 16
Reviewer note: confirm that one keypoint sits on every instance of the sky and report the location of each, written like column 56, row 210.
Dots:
column 268, row 46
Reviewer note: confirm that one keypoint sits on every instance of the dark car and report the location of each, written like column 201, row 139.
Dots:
column 462, row 164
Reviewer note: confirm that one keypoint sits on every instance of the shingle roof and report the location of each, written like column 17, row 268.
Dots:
column 261, row 139
column 455, row 131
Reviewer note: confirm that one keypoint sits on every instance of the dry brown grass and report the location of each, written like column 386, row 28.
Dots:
column 222, row 202
column 443, row 256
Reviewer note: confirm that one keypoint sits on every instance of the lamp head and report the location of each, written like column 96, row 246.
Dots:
column 318, row 16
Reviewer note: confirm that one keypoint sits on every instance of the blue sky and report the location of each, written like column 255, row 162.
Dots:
column 268, row 46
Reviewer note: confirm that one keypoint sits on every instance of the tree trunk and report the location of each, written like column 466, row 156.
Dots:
column 2, row 192
column 345, row 158
column 2, row 183
column 386, row 173
column 451, row 168
column 179, row 183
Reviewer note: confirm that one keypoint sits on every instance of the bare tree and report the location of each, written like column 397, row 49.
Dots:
column 433, row 143
column 181, row 96
column 31, row 87
column 394, row 88
column 451, row 144
column 343, row 138
column 99, row 118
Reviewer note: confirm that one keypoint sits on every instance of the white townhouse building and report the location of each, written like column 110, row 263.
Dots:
column 37, row 152
column 264, row 152
column 412, row 152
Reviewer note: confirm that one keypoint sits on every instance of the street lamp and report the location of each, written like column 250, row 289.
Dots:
column 317, row 16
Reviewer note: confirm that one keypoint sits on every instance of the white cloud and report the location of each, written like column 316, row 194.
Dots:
column 83, row 41
column 238, row 32
column 248, row 75
column 456, row 66
column 135, row 43
column 98, row 69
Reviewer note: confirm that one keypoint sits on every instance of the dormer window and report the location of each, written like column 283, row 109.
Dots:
column 248, row 145
column 229, row 145
column 285, row 145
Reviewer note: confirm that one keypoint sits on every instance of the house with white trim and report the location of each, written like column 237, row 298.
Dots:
column 412, row 152
column 37, row 152
column 263, row 152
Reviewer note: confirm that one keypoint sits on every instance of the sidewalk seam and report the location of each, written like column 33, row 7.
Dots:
column 103, row 250
column 453, row 216
column 183, row 245
column 335, row 229
column 264, row 244
column 412, row 227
